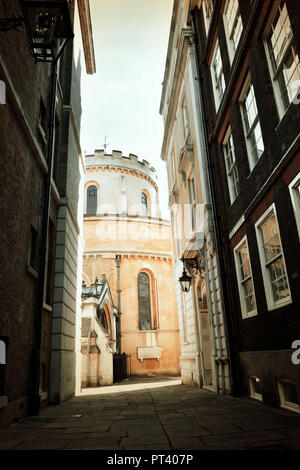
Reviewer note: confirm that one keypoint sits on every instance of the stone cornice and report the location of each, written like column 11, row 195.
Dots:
column 127, row 218
column 87, row 35
column 186, row 41
column 169, row 54
column 129, row 255
column 98, row 168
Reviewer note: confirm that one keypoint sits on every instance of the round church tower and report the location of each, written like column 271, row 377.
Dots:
column 128, row 242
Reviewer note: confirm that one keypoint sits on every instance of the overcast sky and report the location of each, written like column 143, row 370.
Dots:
column 122, row 100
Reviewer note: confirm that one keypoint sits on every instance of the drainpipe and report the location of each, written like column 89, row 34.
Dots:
column 39, row 305
column 119, row 334
column 232, row 350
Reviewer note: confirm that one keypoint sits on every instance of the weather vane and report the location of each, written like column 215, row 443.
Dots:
column 106, row 144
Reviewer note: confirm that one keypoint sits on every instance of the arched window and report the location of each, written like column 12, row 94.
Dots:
column 91, row 200
column 144, row 205
column 103, row 320
column 144, row 302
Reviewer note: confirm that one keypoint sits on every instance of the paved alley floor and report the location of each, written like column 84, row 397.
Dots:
column 155, row 414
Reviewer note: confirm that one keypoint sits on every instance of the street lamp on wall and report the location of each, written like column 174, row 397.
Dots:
column 48, row 26
column 185, row 281
column 93, row 291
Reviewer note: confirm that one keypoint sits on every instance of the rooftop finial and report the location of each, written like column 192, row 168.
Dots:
column 106, row 144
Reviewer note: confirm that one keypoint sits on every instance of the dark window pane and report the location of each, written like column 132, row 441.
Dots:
column 91, row 200
column 144, row 204
column 144, row 302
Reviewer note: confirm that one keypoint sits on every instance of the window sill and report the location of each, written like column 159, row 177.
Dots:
column 249, row 315
column 256, row 396
column 47, row 307
column 280, row 304
column 32, row 272
column 43, row 396
column 147, row 331
column 291, row 407
column 284, row 115
column 255, row 164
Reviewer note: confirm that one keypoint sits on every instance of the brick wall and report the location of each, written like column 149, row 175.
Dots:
column 269, row 330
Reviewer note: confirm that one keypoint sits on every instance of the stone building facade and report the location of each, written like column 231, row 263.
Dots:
column 98, row 336
column 205, row 357
column 248, row 56
column 127, row 241
column 23, row 140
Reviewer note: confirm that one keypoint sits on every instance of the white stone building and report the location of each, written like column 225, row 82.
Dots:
column 204, row 349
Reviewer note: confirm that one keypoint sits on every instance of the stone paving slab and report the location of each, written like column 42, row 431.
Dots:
column 155, row 414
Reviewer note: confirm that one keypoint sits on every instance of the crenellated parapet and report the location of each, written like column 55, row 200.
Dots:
column 116, row 161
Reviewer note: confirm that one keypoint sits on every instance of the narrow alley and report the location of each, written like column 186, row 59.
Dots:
column 149, row 228
column 155, row 414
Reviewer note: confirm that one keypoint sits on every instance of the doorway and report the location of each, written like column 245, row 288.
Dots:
column 205, row 332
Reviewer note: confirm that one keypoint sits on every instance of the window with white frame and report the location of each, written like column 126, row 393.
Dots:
column 294, row 188
column 283, row 58
column 192, row 198
column 218, row 75
column 255, row 388
column 245, row 279
column 231, row 167
column 208, row 8
column 288, row 395
column 233, row 26
column 272, row 260
column 252, row 128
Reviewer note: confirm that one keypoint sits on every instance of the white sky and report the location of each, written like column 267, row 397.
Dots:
column 122, row 100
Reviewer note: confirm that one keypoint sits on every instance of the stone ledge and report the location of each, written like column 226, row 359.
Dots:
column 149, row 352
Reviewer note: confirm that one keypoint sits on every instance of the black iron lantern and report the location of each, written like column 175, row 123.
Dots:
column 185, row 281
column 93, row 291
column 48, row 27
column 96, row 287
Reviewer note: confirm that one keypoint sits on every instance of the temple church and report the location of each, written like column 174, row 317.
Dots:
column 129, row 311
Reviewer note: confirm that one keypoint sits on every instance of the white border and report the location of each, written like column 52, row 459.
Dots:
column 295, row 200
column 272, row 305
column 239, row 280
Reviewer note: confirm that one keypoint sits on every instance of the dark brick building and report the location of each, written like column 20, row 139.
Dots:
column 248, row 58
column 24, row 119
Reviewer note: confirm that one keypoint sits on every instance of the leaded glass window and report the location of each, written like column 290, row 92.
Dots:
column 144, row 302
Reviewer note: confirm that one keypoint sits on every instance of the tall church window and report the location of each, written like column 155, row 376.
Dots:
column 144, row 302
column 91, row 205
column 144, row 205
